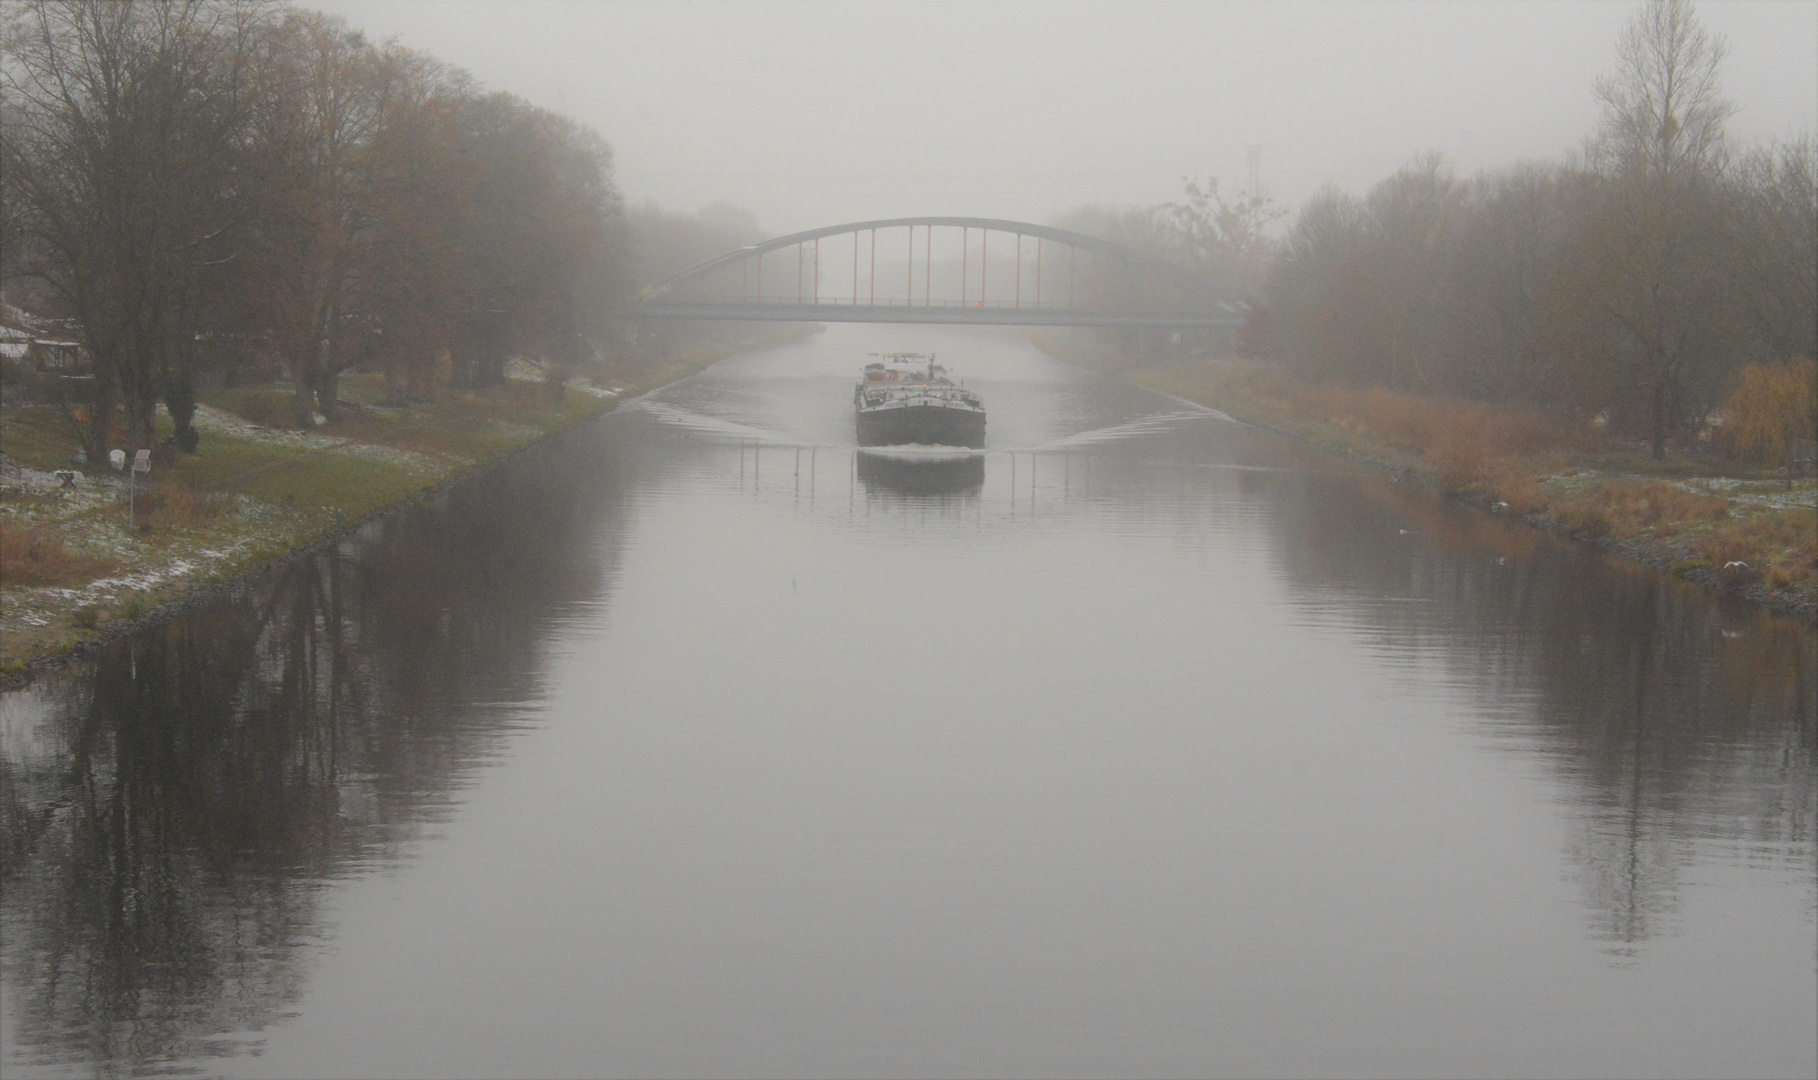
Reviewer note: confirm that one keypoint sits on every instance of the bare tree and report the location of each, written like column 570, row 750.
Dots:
column 417, row 274
column 665, row 242
column 547, row 239
column 1412, row 216
column 1777, row 208
column 1657, row 244
column 1226, row 238
column 325, row 89
column 1317, row 289
column 1663, row 108
column 122, row 154
column 1635, row 285
column 1498, row 297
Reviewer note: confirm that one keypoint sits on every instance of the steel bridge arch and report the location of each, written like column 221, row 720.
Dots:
column 1187, row 282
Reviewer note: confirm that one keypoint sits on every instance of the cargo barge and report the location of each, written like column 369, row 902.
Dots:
column 906, row 399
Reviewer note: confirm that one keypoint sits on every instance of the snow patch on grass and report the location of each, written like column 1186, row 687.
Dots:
column 211, row 420
column 519, row 369
column 414, row 462
column 522, row 434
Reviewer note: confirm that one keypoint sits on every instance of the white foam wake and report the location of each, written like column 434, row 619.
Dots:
column 678, row 416
column 1148, row 425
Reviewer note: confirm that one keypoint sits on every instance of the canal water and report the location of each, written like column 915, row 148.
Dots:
column 700, row 743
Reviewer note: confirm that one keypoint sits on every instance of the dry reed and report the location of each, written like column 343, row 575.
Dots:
column 36, row 555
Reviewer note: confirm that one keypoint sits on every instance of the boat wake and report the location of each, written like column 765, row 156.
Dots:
column 677, row 416
column 1148, row 425
column 920, row 452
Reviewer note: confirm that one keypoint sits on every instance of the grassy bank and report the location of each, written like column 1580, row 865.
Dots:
column 75, row 570
column 1722, row 524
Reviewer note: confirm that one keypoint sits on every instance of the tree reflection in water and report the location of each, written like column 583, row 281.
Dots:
column 1674, row 717
column 172, row 812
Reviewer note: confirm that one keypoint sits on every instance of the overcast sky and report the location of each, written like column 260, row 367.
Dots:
column 813, row 114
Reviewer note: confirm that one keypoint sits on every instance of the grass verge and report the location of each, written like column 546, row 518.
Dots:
column 1717, row 523
column 84, row 559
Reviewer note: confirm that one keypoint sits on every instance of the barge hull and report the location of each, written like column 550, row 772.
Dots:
column 925, row 425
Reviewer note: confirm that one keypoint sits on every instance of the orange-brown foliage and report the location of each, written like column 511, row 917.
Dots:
column 1461, row 438
column 1627, row 507
column 1780, row 548
column 173, row 507
column 35, row 555
column 1521, row 492
column 1772, row 404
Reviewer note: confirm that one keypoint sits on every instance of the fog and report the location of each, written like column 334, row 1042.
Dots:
column 816, row 113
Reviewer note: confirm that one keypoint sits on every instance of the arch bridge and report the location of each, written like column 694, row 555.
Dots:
column 981, row 271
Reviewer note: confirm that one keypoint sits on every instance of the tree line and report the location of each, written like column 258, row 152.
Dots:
column 202, row 186
column 1635, row 284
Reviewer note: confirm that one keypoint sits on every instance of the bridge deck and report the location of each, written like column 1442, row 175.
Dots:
column 993, row 315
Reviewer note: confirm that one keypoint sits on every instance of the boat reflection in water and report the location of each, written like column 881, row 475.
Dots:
column 921, row 474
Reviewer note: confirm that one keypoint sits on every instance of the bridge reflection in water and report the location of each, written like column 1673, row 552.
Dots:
column 187, row 818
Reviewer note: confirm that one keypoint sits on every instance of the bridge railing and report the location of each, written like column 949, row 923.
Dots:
column 733, row 300
column 848, row 301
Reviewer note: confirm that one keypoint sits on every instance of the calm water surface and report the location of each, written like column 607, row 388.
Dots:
column 702, row 744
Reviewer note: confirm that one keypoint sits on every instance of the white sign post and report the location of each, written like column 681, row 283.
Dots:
column 141, row 464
